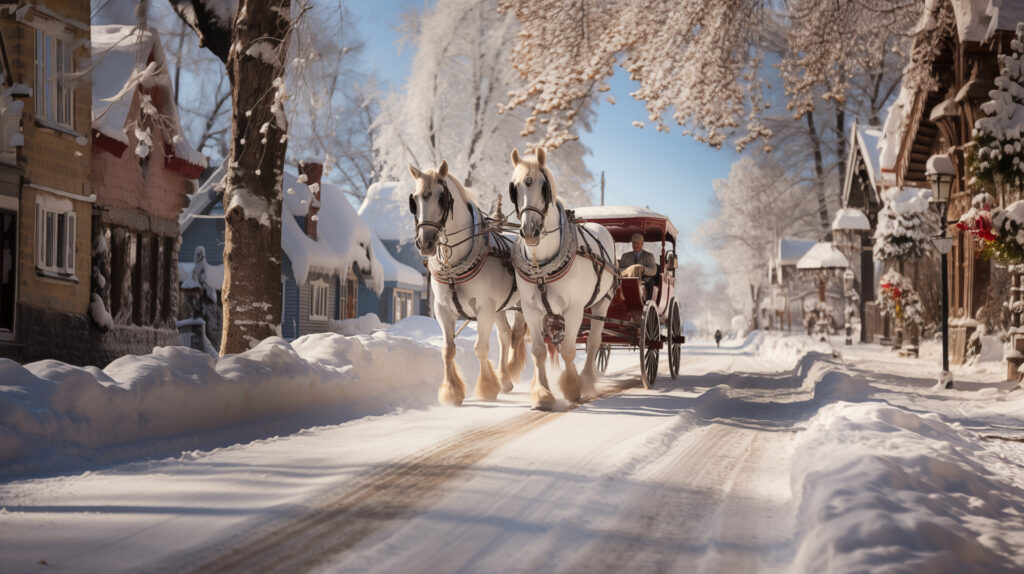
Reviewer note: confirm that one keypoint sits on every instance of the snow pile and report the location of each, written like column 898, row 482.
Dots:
column 359, row 326
column 887, row 489
column 386, row 211
column 52, row 409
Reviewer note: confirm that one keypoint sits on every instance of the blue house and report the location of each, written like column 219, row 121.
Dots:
column 386, row 211
column 328, row 253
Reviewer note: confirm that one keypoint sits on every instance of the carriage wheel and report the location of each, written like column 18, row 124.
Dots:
column 650, row 341
column 602, row 357
column 674, row 330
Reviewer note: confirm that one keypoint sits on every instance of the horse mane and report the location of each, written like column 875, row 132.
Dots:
column 533, row 168
column 467, row 194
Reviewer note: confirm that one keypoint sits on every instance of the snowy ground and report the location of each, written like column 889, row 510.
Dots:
column 770, row 454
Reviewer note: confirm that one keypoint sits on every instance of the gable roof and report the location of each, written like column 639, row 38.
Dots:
column 129, row 62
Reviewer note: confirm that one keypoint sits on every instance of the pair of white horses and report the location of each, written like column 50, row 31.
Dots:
column 558, row 269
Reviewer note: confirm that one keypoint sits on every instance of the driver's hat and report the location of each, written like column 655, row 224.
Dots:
column 636, row 237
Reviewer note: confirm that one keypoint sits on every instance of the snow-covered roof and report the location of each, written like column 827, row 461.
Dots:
column 121, row 56
column 386, row 211
column 1003, row 15
column 198, row 202
column 342, row 237
column 869, row 142
column 850, row 218
column 791, row 250
column 823, row 255
column 615, row 212
column 394, row 270
column 892, row 133
column 971, row 20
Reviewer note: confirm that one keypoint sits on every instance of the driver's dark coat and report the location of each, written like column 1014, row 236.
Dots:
column 643, row 258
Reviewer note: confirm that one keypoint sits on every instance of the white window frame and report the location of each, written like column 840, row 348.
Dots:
column 406, row 306
column 55, row 230
column 55, row 93
column 319, row 295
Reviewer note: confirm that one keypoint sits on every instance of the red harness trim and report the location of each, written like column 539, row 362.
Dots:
column 465, row 276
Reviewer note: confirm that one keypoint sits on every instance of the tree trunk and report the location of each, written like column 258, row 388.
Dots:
column 252, row 195
column 819, row 172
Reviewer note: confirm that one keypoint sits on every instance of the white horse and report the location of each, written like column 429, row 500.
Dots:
column 562, row 269
column 471, row 278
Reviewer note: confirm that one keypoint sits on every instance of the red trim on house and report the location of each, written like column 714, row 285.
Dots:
column 108, row 144
column 179, row 165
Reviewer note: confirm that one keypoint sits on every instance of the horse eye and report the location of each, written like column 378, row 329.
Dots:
column 528, row 181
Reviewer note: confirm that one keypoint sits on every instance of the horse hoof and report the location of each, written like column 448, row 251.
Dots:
column 507, row 387
column 543, row 406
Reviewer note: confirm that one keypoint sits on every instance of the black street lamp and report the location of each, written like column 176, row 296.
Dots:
column 940, row 172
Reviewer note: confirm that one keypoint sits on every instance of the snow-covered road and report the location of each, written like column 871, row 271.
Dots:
column 766, row 455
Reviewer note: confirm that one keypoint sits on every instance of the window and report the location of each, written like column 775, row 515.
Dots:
column 403, row 304
column 55, row 238
column 318, row 294
column 54, row 93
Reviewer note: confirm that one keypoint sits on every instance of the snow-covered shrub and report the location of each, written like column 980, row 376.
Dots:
column 899, row 300
column 905, row 227
column 1008, row 227
column 999, row 156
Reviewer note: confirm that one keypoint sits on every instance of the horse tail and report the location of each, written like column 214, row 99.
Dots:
column 517, row 358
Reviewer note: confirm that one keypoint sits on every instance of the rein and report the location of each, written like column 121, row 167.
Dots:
column 470, row 266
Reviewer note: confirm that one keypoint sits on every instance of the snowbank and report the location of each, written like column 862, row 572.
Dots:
column 54, row 415
column 359, row 326
column 909, row 493
column 52, row 410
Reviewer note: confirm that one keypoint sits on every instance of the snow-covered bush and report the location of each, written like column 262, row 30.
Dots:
column 999, row 157
column 899, row 300
column 905, row 226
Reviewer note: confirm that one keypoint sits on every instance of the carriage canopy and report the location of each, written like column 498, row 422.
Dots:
column 622, row 221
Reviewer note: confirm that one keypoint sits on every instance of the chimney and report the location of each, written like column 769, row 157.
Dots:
column 312, row 171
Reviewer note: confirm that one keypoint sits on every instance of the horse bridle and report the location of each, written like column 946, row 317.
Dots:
column 545, row 191
column 447, row 207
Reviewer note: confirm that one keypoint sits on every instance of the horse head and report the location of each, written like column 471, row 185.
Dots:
column 532, row 191
column 431, row 206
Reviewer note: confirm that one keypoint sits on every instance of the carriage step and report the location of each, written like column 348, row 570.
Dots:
column 678, row 339
column 655, row 344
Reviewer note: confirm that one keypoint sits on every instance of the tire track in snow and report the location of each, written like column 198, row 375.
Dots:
column 722, row 504
column 397, row 490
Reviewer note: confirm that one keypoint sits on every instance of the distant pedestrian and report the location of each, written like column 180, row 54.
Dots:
column 718, row 337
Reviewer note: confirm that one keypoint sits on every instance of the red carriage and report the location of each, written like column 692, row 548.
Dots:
column 644, row 313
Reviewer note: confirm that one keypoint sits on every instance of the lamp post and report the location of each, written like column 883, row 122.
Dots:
column 940, row 173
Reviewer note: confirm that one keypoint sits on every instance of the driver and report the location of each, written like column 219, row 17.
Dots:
column 638, row 263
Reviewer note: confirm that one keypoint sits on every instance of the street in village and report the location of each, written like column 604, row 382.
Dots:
column 763, row 456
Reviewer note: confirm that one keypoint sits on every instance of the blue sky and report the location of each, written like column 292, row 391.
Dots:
column 669, row 173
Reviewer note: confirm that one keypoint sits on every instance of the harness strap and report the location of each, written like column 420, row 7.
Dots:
column 458, row 304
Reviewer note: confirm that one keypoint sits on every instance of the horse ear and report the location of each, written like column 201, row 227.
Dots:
column 415, row 171
column 442, row 171
column 515, row 156
column 541, row 156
